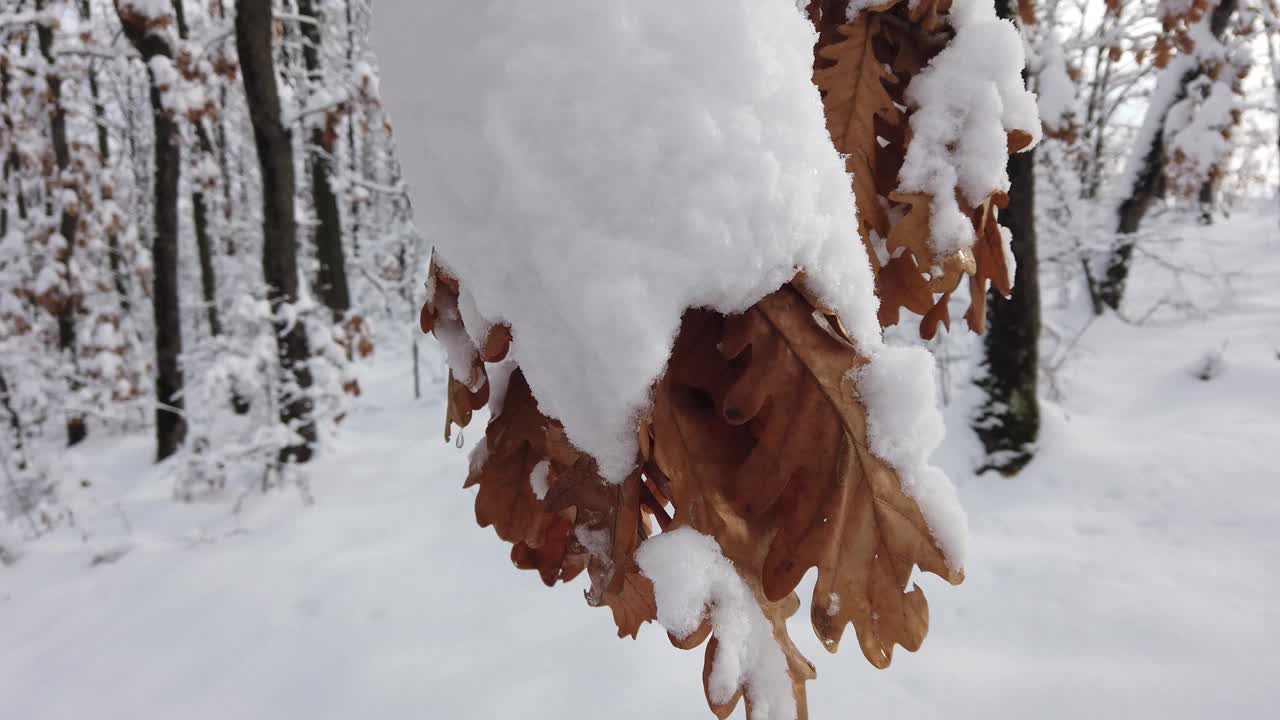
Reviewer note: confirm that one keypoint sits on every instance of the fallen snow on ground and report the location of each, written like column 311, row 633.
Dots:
column 1131, row 571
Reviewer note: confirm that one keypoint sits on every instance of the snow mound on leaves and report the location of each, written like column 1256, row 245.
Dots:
column 967, row 98
column 693, row 580
column 591, row 170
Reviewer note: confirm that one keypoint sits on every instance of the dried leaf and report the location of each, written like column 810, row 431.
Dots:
column 758, row 429
column 854, row 97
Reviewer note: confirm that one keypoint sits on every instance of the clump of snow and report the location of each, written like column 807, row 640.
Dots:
column 166, row 78
column 1006, row 247
column 903, row 429
column 966, row 100
column 538, row 479
column 591, row 170
column 1196, row 125
column 693, row 581
column 1055, row 90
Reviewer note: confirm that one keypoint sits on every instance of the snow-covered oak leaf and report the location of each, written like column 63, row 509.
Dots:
column 763, row 443
column 468, row 384
column 992, row 258
column 608, row 526
column 576, row 522
column 776, row 433
column 852, row 81
column 705, row 590
column 925, row 99
column 799, row 669
column 915, row 293
column 901, row 281
column 515, row 442
column 632, row 603
column 553, row 557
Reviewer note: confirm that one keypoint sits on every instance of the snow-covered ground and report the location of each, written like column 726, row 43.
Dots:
column 1131, row 570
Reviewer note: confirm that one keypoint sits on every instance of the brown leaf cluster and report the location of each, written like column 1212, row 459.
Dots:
column 862, row 68
column 756, row 436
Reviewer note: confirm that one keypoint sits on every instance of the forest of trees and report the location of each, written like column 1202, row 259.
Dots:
column 202, row 219
column 189, row 242
column 702, row 276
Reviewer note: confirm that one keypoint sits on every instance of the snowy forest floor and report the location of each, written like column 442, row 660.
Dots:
column 1130, row 571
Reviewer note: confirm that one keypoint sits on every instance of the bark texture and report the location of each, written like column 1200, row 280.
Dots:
column 200, row 211
column 332, row 282
column 279, row 248
column 68, row 225
column 1008, row 422
column 171, row 424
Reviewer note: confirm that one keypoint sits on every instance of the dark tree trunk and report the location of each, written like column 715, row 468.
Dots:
column 15, row 427
column 332, row 284
column 171, row 423
column 204, row 248
column 1208, row 200
column 352, row 150
column 200, row 210
column 68, row 226
column 1008, row 422
column 279, row 247
column 1150, row 181
column 8, row 152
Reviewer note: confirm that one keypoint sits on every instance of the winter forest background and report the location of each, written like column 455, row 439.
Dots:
column 224, row 486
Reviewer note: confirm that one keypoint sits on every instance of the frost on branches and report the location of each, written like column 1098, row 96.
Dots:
column 663, row 261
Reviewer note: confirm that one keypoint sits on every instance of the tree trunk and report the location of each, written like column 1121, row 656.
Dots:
column 200, row 210
column 279, row 247
column 68, row 226
column 15, row 427
column 171, row 423
column 1008, row 422
column 204, row 248
column 1271, row 30
column 332, row 282
column 352, row 150
column 6, row 171
column 1149, row 181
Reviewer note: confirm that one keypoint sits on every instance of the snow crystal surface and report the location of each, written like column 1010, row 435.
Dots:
column 966, row 99
column 591, row 170
column 692, row 580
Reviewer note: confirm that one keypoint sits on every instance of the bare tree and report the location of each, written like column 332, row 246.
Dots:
column 152, row 42
column 332, row 286
column 253, row 27
column 200, row 208
column 1149, row 178
column 68, row 307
